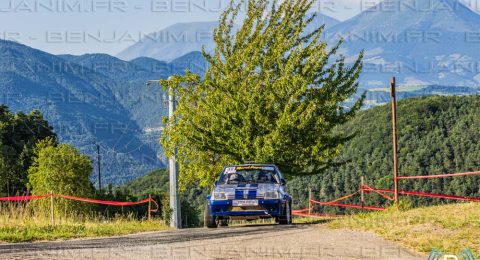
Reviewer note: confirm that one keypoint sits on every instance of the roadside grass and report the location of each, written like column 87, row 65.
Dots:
column 18, row 224
column 451, row 228
column 311, row 220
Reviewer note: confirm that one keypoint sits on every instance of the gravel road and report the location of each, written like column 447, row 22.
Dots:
column 245, row 242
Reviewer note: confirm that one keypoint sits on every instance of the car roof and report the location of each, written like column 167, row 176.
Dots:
column 256, row 164
column 253, row 164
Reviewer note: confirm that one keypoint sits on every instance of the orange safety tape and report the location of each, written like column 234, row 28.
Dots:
column 368, row 188
column 336, row 200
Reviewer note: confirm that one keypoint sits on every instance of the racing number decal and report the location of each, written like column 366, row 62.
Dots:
column 230, row 170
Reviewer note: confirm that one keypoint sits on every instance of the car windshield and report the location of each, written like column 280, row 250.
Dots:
column 251, row 174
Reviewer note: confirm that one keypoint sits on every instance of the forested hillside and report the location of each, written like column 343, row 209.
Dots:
column 435, row 135
column 81, row 106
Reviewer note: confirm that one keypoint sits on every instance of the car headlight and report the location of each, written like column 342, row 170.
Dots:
column 219, row 196
column 271, row 195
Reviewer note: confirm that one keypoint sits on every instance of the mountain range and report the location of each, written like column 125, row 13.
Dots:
column 173, row 42
column 98, row 98
column 94, row 99
column 420, row 42
column 182, row 38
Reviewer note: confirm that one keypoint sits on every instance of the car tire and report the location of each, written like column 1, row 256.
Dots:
column 286, row 217
column 277, row 220
column 223, row 222
column 208, row 219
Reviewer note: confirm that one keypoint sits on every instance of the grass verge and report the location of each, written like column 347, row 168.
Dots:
column 451, row 228
column 20, row 224
column 31, row 231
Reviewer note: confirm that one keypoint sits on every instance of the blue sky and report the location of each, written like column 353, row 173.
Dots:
column 109, row 26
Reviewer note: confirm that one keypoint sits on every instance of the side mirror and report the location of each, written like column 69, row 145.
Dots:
column 283, row 182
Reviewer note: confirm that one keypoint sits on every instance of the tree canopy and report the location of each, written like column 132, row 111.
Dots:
column 63, row 170
column 273, row 92
column 19, row 134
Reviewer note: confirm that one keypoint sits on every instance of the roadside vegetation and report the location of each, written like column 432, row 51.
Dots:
column 18, row 223
column 33, row 162
column 450, row 228
column 436, row 135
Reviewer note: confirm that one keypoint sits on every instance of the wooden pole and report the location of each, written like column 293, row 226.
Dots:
column 309, row 201
column 52, row 208
column 362, row 196
column 394, row 137
column 150, row 207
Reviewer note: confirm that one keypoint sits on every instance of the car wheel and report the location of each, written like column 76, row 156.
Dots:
column 289, row 213
column 223, row 222
column 277, row 220
column 209, row 220
column 286, row 218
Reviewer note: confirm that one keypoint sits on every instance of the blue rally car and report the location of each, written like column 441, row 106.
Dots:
column 248, row 192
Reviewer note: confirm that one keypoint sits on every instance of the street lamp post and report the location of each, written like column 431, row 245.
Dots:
column 175, row 220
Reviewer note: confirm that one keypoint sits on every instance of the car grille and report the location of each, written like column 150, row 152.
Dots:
column 232, row 197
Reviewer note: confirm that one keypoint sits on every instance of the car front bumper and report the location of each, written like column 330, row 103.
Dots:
column 265, row 208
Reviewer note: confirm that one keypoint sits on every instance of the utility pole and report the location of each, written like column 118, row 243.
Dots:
column 394, row 136
column 175, row 219
column 173, row 167
column 98, row 167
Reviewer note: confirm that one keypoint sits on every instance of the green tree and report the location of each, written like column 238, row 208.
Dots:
column 18, row 135
column 273, row 92
column 63, row 170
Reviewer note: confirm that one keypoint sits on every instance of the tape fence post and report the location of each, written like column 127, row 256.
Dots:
column 52, row 208
column 362, row 195
column 149, row 207
column 310, row 201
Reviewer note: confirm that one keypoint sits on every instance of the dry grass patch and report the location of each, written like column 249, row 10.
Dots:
column 18, row 224
column 450, row 228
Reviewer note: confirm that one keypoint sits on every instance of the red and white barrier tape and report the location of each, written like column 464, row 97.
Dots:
column 438, row 175
column 431, row 195
column 25, row 198
column 368, row 188
column 102, row 202
column 356, row 206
